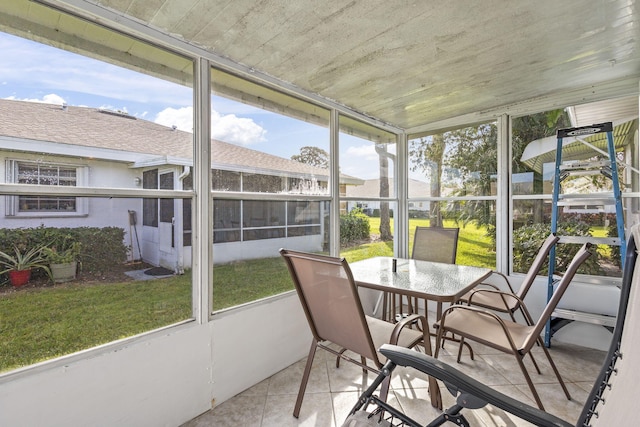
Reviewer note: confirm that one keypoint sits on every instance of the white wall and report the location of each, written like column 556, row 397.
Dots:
column 264, row 248
column 588, row 297
column 164, row 379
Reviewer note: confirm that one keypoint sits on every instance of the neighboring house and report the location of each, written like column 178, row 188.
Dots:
column 49, row 144
column 417, row 190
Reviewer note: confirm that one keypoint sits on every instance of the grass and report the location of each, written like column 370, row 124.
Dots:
column 39, row 324
column 42, row 323
column 474, row 247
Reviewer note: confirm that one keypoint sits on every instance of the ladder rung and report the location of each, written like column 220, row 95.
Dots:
column 580, row 240
column 581, row 316
column 584, row 165
column 601, row 195
column 581, row 199
column 589, row 172
column 591, row 202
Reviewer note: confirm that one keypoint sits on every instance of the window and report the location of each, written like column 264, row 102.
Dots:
column 368, row 188
column 270, row 155
column 35, row 173
column 534, row 144
column 451, row 176
column 115, row 156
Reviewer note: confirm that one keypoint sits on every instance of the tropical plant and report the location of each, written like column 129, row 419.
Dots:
column 63, row 254
column 33, row 258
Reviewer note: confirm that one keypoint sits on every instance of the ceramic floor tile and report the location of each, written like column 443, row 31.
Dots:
column 332, row 392
column 316, row 411
column 479, row 368
column 259, row 389
column 416, row 403
column 343, row 402
column 349, row 377
column 288, row 380
column 491, row 416
column 238, row 411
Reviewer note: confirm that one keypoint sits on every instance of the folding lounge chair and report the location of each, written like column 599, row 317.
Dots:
column 607, row 405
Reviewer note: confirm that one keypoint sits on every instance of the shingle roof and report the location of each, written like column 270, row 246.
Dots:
column 371, row 187
column 91, row 127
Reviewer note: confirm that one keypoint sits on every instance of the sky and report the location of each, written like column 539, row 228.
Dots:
column 31, row 71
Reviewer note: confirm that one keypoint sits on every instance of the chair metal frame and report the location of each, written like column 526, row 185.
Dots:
column 486, row 327
column 512, row 301
column 331, row 303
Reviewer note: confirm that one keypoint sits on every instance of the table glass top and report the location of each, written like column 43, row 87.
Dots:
column 420, row 278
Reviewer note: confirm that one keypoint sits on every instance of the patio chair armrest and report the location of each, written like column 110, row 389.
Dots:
column 495, row 291
column 407, row 322
column 464, row 383
column 504, row 277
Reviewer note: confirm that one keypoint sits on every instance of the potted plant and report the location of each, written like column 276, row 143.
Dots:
column 19, row 265
column 63, row 260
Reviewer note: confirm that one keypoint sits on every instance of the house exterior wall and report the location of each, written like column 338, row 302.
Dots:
column 99, row 211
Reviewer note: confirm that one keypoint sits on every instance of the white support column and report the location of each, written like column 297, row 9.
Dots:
column 401, row 215
column 334, row 216
column 504, row 204
column 202, row 210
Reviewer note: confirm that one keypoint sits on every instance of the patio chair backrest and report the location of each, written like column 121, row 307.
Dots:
column 582, row 254
column 436, row 244
column 536, row 265
column 330, row 300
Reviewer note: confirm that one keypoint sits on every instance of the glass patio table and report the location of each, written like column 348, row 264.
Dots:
column 416, row 280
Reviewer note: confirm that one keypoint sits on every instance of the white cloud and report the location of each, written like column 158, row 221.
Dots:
column 180, row 117
column 228, row 128
column 51, row 98
column 367, row 151
column 237, row 130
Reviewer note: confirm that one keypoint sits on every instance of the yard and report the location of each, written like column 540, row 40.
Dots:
column 40, row 323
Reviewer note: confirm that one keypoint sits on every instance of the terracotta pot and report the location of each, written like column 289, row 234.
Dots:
column 19, row 277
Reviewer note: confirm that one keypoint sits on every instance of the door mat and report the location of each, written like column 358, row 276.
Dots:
column 158, row 271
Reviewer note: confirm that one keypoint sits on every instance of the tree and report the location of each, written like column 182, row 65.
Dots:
column 529, row 128
column 385, row 220
column 428, row 155
column 472, row 152
column 313, row 156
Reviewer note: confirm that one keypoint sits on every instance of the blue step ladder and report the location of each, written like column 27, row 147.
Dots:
column 606, row 167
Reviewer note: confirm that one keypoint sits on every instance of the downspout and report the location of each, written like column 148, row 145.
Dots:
column 179, row 269
column 185, row 173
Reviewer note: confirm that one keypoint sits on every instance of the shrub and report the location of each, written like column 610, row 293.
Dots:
column 528, row 239
column 354, row 226
column 100, row 248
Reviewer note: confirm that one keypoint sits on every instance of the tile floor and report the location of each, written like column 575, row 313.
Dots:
column 331, row 392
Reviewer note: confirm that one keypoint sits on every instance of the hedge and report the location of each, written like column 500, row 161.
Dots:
column 101, row 248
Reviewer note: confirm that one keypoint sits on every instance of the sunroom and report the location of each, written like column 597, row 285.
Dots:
column 406, row 113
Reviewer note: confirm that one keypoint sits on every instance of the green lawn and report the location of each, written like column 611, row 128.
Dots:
column 474, row 247
column 43, row 323
column 39, row 324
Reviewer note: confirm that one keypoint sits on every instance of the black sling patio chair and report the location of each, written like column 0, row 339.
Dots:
column 608, row 403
